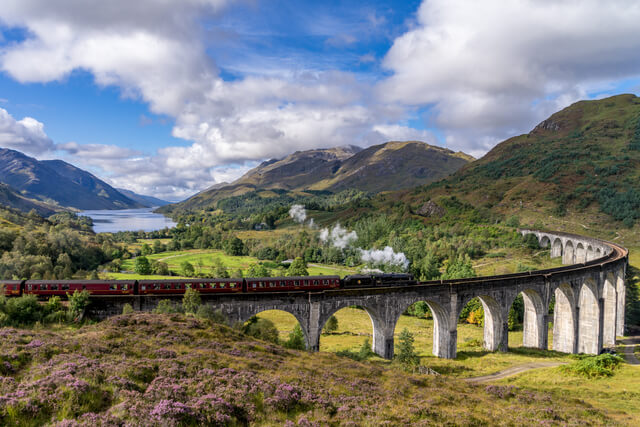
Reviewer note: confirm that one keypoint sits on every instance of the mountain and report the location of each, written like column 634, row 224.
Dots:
column 384, row 167
column 59, row 183
column 148, row 201
column 9, row 197
column 579, row 169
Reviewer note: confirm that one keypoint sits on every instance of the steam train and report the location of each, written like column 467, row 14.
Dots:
column 47, row 288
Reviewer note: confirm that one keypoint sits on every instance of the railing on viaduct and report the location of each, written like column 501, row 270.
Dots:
column 587, row 316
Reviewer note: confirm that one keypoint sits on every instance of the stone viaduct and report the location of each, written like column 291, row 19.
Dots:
column 587, row 316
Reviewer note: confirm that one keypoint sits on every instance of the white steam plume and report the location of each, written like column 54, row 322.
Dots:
column 298, row 213
column 386, row 256
column 338, row 236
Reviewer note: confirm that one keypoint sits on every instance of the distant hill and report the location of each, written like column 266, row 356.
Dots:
column 580, row 169
column 147, row 201
column 384, row 167
column 59, row 183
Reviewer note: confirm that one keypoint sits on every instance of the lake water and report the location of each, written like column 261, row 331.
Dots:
column 112, row 221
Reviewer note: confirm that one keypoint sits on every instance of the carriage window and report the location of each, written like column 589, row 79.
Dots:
column 262, row 284
column 326, row 282
column 232, row 285
column 65, row 287
column 282, row 283
column 28, row 287
column 253, row 284
column 113, row 287
column 272, row 284
column 43, row 287
column 144, row 287
column 306, row 283
column 315, row 282
column 202, row 285
column 167, row 285
column 156, row 286
column 125, row 286
column 213, row 285
column 296, row 283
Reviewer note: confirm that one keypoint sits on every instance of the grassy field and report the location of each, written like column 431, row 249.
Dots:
column 354, row 327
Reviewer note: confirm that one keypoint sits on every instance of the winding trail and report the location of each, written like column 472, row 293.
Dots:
column 513, row 371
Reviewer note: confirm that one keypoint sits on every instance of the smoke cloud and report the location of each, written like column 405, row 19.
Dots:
column 298, row 213
column 338, row 236
column 386, row 256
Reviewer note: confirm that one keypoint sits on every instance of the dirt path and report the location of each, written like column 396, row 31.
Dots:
column 513, row 371
column 628, row 347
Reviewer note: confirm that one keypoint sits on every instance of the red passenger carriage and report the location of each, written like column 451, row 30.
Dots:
column 179, row 286
column 94, row 287
column 302, row 283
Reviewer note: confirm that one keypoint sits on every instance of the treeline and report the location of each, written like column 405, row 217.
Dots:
column 61, row 247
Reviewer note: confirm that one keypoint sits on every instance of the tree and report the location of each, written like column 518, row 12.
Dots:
column 158, row 247
column 142, row 265
column 460, row 268
column 187, row 269
column 219, row 269
column 146, row 250
column 258, row 270
column 191, row 301
column 296, row 339
column 160, row 268
column 234, row 246
column 406, row 353
column 127, row 309
column 238, row 273
column 298, row 268
column 331, row 325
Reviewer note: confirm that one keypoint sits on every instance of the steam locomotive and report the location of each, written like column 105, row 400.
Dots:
column 47, row 288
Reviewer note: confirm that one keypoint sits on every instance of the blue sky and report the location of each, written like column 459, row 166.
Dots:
column 167, row 98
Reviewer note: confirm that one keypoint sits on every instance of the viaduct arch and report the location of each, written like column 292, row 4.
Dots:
column 588, row 314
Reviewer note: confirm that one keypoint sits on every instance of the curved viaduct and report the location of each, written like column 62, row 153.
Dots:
column 587, row 316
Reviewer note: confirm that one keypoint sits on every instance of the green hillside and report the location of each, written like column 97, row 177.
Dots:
column 578, row 170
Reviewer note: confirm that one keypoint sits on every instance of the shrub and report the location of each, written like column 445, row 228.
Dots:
column 191, row 301
column 207, row 312
column 263, row 329
column 296, row 339
column 166, row 306
column 127, row 309
column 331, row 325
column 23, row 310
column 365, row 350
column 187, row 269
column 78, row 302
column 594, row 366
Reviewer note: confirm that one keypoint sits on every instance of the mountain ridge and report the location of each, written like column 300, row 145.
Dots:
column 383, row 167
column 58, row 183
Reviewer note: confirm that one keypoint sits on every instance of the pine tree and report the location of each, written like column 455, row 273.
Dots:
column 406, row 353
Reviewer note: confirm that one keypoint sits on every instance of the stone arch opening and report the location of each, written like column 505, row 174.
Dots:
column 564, row 319
column 528, row 313
column 589, row 319
column 545, row 242
column 556, row 248
column 284, row 323
column 568, row 253
column 356, row 324
column 591, row 254
column 493, row 334
column 439, row 319
column 581, row 253
column 610, row 306
column 598, row 253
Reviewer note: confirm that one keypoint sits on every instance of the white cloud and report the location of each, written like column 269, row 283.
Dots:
column 495, row 68
column 26, row 135
column 487, row 69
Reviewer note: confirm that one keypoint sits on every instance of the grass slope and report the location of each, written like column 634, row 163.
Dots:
column 155, row 370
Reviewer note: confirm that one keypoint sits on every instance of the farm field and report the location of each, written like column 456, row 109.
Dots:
column 203, row 260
